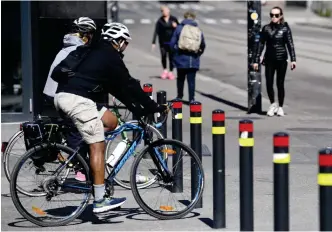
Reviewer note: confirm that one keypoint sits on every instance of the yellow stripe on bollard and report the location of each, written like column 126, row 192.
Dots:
column 246, row 142
column 178, row 116
column 218, row 130
column 281, row 158
column 196, row 120
column 325, row 179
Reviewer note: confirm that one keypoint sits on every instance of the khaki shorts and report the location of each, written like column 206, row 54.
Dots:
column 84, row 114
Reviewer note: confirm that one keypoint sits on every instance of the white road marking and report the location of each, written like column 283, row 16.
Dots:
column 209, row 8
column 171, row 6
column 122, row 6
column 145, row 21
column 226, row 21
column 128, row 21
column 210, row 21
column 184, row 6
column 241, row 21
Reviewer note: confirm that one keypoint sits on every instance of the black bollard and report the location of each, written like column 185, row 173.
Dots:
column 196, row 145
column 161, row 99
column 148, row 89
column 177, row 157
column 281, row 160
column 325, row 189
column 246, row 142
column 218, row 143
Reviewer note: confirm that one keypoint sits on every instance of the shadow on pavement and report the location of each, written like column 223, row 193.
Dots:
column 207, row 221
column 102, row 218
column 226, row 102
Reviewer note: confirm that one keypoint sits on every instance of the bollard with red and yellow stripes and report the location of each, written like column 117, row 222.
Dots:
column 196, row 144
column 177, row 157
column 219, row 191
column 325, row 189
column 281, row 160
column 246, row 142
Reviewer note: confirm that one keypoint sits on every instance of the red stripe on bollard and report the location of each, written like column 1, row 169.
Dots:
column 196, row 108
column 281, row 141
column 177, row 105
column 218, row 117
column 325, row 160
column 246, row 127
column 147, row 89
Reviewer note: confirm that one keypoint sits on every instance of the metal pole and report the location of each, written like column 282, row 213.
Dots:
column 219, row 195
column 161, row 99
column 254, row 77
column 281, row 160
column 246, row 142
column 325, row 189
column 177, row 157
column 196, row 145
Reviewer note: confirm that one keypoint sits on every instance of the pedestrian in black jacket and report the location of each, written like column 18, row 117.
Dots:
column 276, row 35
column 165, row 27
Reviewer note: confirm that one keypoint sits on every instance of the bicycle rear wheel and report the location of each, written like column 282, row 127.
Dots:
column 189, row 160
column 123, row 177
column 14, row 150
column 55, row 189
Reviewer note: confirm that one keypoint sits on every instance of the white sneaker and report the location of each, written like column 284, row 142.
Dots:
column 280, row 112
column 272, row 109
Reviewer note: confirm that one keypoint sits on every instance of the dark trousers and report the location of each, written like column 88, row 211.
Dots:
column 279, row 67
column 190, row 73
column 164, row 51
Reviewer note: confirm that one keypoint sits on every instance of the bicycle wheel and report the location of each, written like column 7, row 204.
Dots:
column 123, row 177
column 14, row 150
column 189, row 160
column 56, row 188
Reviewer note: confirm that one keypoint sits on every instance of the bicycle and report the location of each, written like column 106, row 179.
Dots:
column 19, row 136
column 56, row 184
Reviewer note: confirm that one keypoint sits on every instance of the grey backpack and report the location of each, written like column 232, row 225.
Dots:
column 190, row 38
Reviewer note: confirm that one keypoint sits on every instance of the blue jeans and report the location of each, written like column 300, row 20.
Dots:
column 190, row 73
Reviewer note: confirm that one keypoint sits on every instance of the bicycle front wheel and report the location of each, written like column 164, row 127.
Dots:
column 123, row 177
column 167, row 198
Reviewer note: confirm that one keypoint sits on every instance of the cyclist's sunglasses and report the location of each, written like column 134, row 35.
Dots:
column 274, row 15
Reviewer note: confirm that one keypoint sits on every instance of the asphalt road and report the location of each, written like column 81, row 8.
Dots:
column 222, row 85
column 307, row 88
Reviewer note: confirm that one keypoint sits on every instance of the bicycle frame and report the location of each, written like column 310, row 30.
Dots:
column 157, row 158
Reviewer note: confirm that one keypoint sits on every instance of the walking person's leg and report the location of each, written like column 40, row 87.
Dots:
column 180, row 82
column 281, row 74
column 171, row 65
column 191, row 78
column 269, row 77
column 163, row 61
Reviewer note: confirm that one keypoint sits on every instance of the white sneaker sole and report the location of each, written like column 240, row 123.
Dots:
column 107, row 208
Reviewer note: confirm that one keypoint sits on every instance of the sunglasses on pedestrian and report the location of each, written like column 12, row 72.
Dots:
column 274, row 15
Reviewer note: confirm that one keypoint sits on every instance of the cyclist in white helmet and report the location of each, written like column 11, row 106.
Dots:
column 87, row 72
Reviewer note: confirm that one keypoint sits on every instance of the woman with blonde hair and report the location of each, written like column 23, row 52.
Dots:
column 277, row 36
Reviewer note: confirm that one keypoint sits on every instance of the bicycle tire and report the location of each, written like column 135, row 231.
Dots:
column 18, row 204
column 109, row 151
column 6, row 153
column 134, row 188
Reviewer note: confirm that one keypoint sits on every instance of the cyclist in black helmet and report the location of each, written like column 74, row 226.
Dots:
column 82, row 32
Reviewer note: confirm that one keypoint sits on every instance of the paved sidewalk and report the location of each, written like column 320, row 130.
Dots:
column 307, row 134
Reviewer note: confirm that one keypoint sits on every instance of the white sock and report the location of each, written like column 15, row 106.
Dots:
column 99, row 191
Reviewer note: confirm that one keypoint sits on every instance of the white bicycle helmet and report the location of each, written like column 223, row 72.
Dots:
column 84, row 25
column 114, row 31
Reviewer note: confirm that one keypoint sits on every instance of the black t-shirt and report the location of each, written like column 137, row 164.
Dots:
column 164, row 30
column 100, row 69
